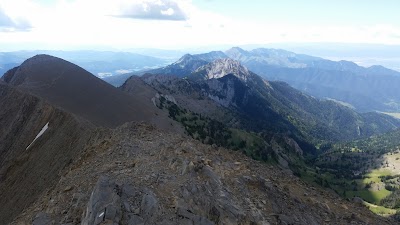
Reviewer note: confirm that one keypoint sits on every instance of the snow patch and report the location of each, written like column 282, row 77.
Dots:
column 39, row 134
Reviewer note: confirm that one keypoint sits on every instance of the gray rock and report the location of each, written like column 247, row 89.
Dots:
column 149, row 205
column 127, row 206
column 264, row 222
column 195, row 219
column 42, row 219
column 358, row 200
column 284, row 219
column 111, row 212
column 135, row 220
column 104, row 204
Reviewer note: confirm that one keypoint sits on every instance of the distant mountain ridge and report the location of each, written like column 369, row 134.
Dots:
column 282, row 58
column 271, row 104
column 366, row 89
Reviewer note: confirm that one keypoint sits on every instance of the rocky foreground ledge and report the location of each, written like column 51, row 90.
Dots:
column 137, row 174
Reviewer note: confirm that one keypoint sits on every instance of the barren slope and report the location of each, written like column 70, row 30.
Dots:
column 156, row 177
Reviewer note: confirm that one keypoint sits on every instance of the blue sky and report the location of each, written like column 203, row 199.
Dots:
column 121, row 24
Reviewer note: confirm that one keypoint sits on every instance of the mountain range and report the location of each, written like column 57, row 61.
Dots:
column 365, row 89
column 261, row 99
column 165, row 149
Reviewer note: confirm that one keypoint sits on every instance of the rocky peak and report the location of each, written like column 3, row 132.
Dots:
column 222, row 67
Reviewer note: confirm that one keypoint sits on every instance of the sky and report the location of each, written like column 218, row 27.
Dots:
column 179, row 24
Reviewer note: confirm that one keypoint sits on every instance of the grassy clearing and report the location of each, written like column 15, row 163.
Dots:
column 374, row 175
column 358, row 188
column 393, row 160
column 370, row 196
column 380, row 210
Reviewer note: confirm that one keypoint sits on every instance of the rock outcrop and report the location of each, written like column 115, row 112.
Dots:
column 222, row 67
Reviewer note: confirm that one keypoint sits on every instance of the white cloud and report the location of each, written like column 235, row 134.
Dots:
column 152, row 10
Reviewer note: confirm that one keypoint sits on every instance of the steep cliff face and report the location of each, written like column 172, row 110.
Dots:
column 30, row 163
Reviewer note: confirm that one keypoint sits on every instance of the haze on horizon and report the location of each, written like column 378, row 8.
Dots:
column 178, row 24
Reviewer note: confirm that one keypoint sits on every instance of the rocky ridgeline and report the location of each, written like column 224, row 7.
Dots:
column 137, row 174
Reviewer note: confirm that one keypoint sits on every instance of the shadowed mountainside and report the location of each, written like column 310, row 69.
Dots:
column 75, row 90
column 25, row 172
